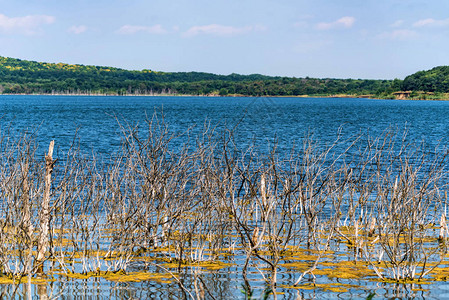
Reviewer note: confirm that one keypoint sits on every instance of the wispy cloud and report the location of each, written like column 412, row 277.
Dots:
column 24, row 25
column 301, row 24
column 345, row 22
column 397, row 23
column 431, row 23
column 132, row 29
column 77, row 29
column 303, row 21
column 399, row 34
column 221, row 30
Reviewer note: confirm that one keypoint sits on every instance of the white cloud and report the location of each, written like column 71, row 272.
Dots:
column 400, row 34
column 345, row 22
column 397, row 23
column 24, row 25
column 301, row 24
column 131, row 29
column 221, row 30
column 431, row 23
column 77, row 29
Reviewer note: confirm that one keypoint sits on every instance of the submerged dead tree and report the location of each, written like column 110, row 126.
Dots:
column 44, row 216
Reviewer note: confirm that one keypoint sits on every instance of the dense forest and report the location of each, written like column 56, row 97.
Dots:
column 30, row 77
column 434, row 80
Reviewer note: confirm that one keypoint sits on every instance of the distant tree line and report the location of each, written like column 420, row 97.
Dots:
column 434, row 80
column 28, row 77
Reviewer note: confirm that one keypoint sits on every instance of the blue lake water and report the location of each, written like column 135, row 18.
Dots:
column 259, row 120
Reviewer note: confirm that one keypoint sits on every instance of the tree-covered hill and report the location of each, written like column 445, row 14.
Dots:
column 22, row 76
column 434, row 80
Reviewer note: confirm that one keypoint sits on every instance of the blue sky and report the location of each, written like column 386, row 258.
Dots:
column 376, row 39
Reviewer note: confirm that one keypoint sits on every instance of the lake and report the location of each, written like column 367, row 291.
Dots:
column 94, row 122
column 288, row 120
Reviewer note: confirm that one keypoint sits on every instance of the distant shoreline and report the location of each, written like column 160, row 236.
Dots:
column 23, row 77
column 342, row 96
column 186, row 95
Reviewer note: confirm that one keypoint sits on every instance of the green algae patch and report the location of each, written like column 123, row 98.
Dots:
column 403, row 281
column 122, row 276
column 346, row 270
column 341, row 269
column 297, row 265
column 138, row 277
column 297, row 253
column 279, row 293
column 440, row 274
column 210, row 265
column 327, row 287
column 24, row 279
column 80, row 275
column 300, row 256
column 350, row 272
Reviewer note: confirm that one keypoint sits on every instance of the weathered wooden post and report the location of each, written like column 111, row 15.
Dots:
column 443, row 228
column 372, row 227
column 44, row 215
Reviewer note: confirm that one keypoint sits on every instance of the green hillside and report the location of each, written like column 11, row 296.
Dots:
column 434, row 80
column 28, row 77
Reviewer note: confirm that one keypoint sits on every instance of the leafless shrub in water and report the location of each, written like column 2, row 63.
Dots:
column 205, row 197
